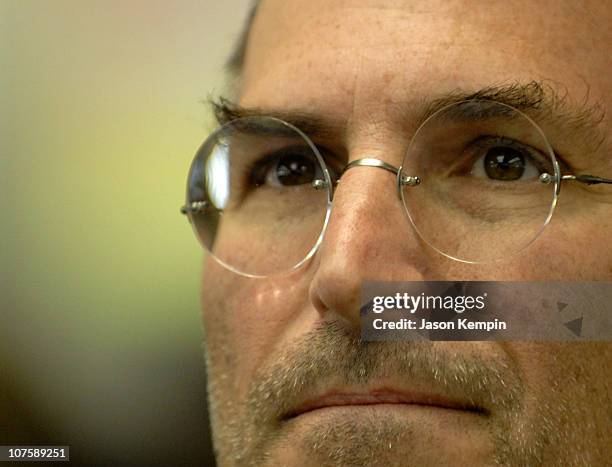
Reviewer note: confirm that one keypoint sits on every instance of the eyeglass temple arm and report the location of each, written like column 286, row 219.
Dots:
column 587, row 179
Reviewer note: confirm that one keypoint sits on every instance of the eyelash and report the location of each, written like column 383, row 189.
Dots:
column 257, row 171
column 477, row 147
column 529, row 152
column 258, row 168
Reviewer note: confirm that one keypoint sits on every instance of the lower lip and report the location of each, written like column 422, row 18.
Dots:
column 386, row 409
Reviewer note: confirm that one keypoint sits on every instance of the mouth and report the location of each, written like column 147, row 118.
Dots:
column 383, row 398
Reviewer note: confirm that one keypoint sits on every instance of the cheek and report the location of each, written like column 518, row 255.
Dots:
column 562, row 377
column 246, row 320
column 573, row 249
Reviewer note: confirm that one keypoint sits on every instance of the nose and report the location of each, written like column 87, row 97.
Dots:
column 368, row 237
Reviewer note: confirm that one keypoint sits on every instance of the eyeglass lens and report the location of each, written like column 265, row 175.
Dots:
column 481, row 198
column 262, row 214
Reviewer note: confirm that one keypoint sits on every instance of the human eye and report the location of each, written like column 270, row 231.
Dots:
column 502, row 159
column 291, row 166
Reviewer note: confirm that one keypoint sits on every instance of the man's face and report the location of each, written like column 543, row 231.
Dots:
column 277, row 345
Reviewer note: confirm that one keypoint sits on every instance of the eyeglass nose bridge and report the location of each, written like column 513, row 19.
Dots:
column 406, row 180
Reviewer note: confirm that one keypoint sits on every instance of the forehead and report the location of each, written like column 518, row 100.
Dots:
column 348, row 56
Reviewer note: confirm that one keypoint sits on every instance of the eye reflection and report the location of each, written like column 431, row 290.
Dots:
column 504, row 164
column 291, row 169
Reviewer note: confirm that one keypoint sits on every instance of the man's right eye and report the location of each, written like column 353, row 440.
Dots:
column 287, row 167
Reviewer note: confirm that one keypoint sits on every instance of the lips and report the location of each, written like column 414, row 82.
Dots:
column 381, row 396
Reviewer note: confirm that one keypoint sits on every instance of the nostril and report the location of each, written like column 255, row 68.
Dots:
column 334, row 294
column 317, row 302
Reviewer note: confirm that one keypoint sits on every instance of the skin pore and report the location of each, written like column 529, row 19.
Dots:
column 369, row 70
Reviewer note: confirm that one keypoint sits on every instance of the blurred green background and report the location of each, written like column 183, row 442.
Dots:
column 100, row 337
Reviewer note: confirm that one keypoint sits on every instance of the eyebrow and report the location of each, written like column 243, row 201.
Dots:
column 312, row 124
column 539, row 100
column 542, row 102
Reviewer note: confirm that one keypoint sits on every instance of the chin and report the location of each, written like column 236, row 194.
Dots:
column 385, row 435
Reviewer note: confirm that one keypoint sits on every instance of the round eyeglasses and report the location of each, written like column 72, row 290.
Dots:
column 479, row 183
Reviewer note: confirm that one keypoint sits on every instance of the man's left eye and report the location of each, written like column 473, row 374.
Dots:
column 506, row 161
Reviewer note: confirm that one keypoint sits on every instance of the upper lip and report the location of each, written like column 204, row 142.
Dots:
column 380, row 395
